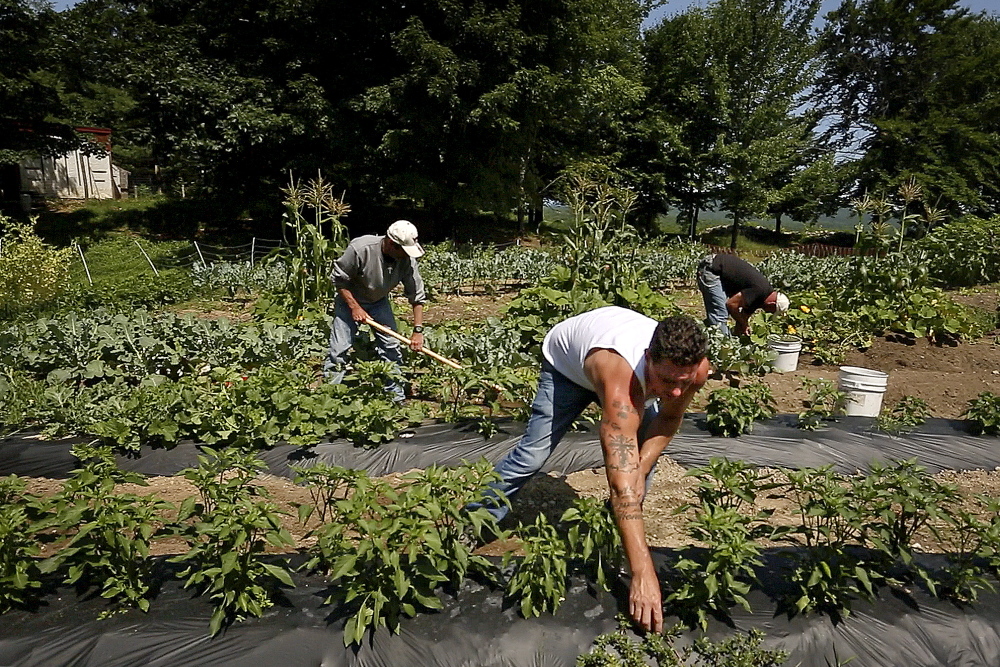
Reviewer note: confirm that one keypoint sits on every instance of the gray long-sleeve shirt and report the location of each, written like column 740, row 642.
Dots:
column 370, row 275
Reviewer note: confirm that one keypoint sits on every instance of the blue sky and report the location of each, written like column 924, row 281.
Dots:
column 677, row 6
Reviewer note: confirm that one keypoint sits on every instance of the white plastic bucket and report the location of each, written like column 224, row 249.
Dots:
column 788, row 353
column 864, row 388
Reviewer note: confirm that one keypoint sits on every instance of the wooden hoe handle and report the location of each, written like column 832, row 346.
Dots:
column 400, row 337
column 433, row 355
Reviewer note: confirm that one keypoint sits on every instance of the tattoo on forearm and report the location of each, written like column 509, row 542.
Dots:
column 626, row 505
column 624, row 453
column 623, row 410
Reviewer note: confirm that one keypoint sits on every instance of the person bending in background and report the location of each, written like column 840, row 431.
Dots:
column 369, row 269
column 644, row 374
column 732, row 287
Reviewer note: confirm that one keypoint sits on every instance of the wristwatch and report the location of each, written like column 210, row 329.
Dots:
column 418, row 328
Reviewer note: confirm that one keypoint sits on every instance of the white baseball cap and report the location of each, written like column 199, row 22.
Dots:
column 404, row 234
column 781, row 303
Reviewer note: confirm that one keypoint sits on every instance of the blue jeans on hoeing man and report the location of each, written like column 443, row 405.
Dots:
column 557, row 404
column 342, row 333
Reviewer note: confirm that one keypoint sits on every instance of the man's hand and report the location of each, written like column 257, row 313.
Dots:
column 417, row 342
column 645, row 604
column 358, row 314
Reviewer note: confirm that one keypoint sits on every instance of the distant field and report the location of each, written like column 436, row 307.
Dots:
column 556, row 215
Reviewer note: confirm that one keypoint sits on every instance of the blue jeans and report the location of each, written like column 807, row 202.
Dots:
column 342, row 333
column 557, row 404
column 710, row 285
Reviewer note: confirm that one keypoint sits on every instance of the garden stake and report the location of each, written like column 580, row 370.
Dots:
column 433, row 355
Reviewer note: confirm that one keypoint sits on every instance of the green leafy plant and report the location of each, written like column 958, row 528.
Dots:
column 32, row 272
column 327, row 484
column 475, row 268
column 964, row 252
column 743, row 357
column 908, row 413
column 617, row 649
column 592, row 533
column 728, row 523
column 227, row 530
column 732, row 411
column 387, row 550
column 826, row 572
column 898, row 500
column 110, row 533
column 20, row 513
column 825, row 402
column 972, row 535
column 221, row 406
column 539, row 578
column 984, row 413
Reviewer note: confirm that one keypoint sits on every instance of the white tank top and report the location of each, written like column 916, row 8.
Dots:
column 628, row 333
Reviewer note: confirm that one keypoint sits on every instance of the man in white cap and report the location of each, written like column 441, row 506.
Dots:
column 734, row 287
column 365, row 274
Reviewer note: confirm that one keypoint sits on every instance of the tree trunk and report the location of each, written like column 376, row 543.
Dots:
column 693, row 232
column 777, row 223
column 522, row 192
column 736, row 231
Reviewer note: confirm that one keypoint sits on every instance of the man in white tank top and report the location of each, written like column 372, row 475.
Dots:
column 624, row 361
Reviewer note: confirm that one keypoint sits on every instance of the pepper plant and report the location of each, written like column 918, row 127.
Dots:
column 825, row 402
column 826, row 572
column 972, row 539
column 728, row 523
column 20, row 577
column 227, row 529
column 110, row 533
column 539, row 579
column 908, row 413
column 984, row 413
column 592, row 533
column 387, row 550
column 732, row 411
column 897, row 501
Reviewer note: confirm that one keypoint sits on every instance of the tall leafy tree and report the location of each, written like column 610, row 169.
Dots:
column 458, row 104
column 30, row 101
column 494, row 98
column 676, row 161
column 763, row 51
column 914, row 91
column 728, row 82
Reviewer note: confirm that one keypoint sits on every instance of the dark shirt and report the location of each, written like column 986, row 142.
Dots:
column 737, row 276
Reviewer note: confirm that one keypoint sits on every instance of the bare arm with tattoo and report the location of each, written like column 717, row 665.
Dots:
column 621, row 395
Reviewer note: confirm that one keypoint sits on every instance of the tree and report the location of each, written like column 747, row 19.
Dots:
column 913, row 89
column 494, row 99
column 677, row 161
column 29, row 100
column 728, row 80
column 763, row 52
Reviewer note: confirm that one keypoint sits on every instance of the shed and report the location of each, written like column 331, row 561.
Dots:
column 76, row 174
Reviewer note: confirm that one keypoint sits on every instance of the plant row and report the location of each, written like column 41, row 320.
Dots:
column 273, row 404
column 733, row 411
column 147, row 347
column 854, row 535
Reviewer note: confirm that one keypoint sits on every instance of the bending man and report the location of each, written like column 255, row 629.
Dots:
column 622, row 360
column 365, row 274
column 733, row 287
